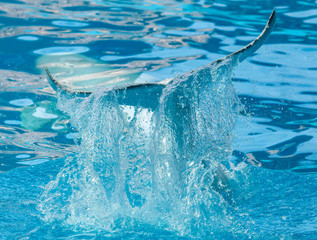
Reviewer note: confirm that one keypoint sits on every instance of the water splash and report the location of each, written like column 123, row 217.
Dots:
column 159, row 166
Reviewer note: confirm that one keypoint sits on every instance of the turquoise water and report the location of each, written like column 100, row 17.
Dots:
column 90, row 168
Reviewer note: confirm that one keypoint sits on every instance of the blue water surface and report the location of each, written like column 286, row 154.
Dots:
column 79, row 168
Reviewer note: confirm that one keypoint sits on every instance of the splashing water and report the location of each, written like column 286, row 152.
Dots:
column 160, row 166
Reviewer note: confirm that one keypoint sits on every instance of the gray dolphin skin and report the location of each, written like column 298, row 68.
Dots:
column 146, row 91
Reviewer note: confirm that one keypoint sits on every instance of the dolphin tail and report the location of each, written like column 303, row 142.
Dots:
column 57, row 86
column 54, row 84
column 243, row 53
column 235, row 57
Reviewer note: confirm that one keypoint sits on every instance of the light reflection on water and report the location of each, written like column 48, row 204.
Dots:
column 162, row 39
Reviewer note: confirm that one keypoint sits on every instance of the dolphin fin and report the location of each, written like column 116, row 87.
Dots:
column 54, row 84
column 236, row 57
column 243, row 53
column 57, row 86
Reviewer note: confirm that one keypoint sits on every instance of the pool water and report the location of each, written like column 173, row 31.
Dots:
column 75, row 167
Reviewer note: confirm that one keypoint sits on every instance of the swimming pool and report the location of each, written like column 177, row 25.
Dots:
column 57, row 179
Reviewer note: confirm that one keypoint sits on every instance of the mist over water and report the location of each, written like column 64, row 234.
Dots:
column 161, row 167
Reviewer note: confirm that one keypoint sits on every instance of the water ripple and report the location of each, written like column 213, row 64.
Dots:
column 273, row 162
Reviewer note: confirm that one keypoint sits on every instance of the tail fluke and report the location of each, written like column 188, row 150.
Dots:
column 54, row 84
column 243, row 53
column 235, row 57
